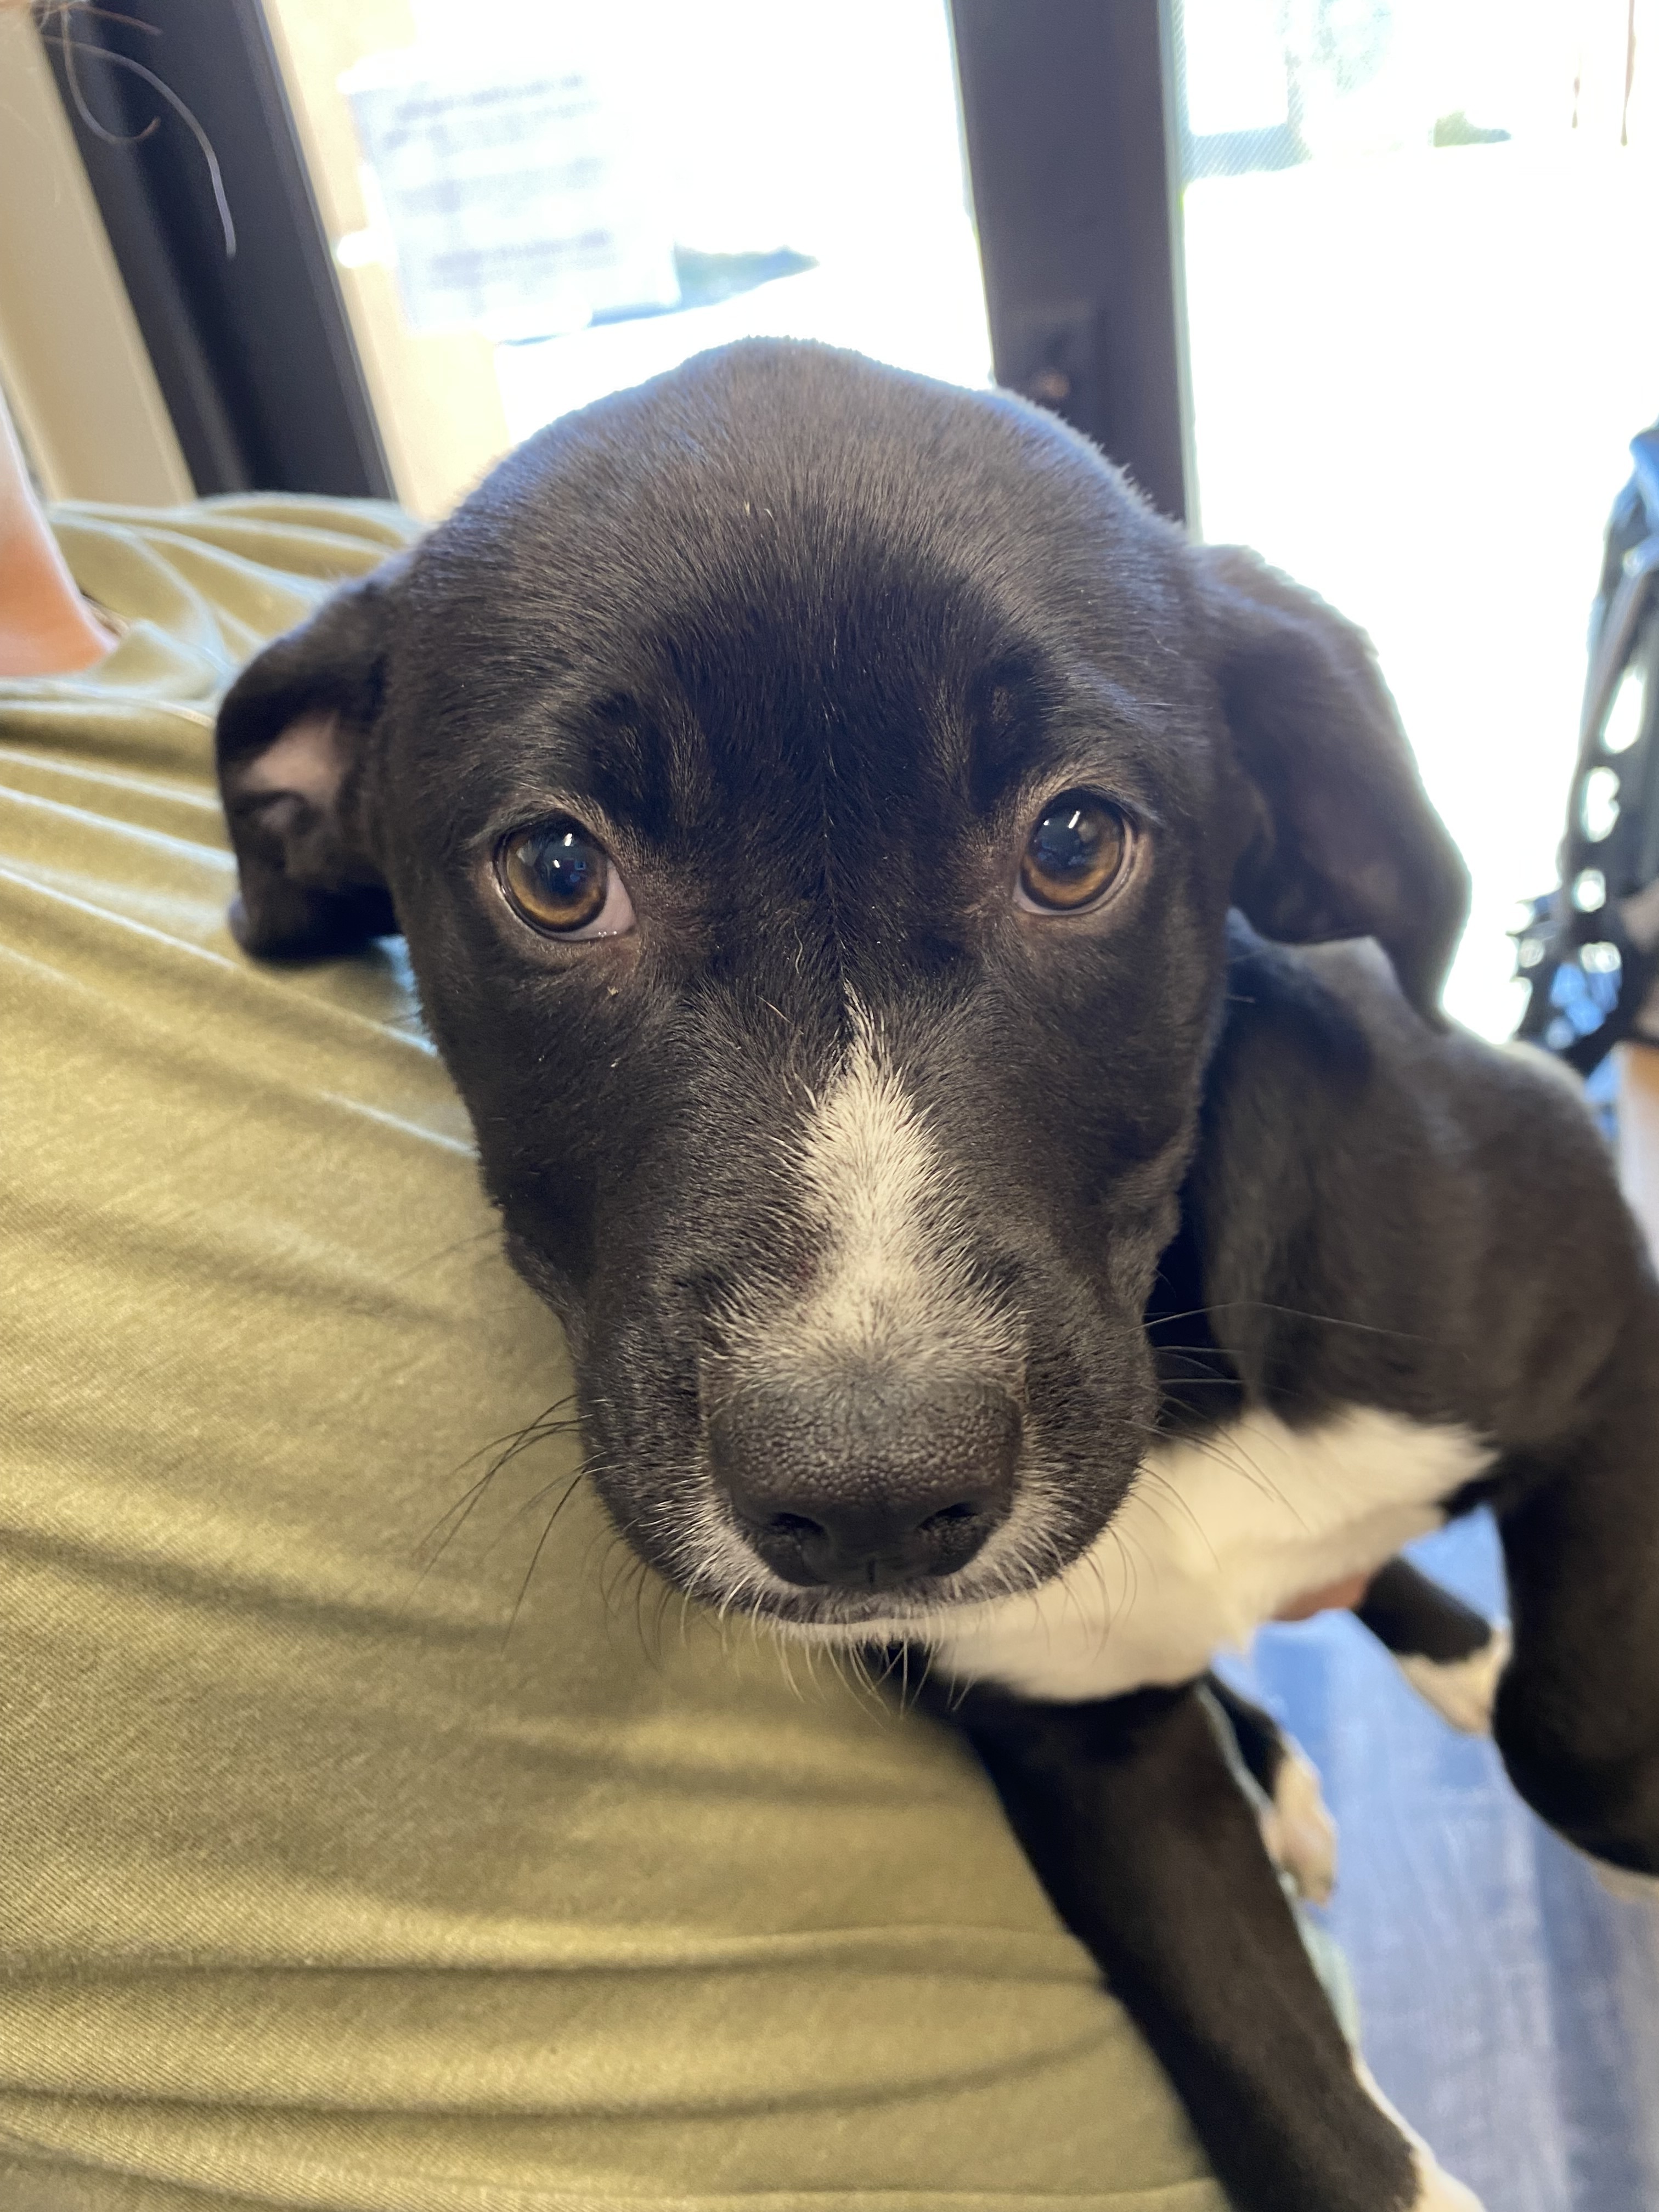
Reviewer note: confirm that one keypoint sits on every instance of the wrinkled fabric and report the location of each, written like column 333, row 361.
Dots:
column 377, row 1837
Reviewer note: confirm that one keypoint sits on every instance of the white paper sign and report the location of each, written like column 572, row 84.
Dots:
column 518, row 208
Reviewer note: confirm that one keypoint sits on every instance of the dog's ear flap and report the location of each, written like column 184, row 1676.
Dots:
column 1347, row 843
column 295, row 733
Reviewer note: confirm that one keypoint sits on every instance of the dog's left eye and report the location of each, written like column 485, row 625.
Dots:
column 561, row 881
column 1077, row 849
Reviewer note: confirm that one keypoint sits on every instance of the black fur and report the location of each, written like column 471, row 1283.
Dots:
column 1262, row 1742
column 1129, row 1811
column 804, row 641
column 1414, row 1617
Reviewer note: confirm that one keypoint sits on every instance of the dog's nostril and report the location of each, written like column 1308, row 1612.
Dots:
column 948, row 1515
column 795, row 1524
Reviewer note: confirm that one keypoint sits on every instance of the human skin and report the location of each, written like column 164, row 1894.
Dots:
column 46, row 629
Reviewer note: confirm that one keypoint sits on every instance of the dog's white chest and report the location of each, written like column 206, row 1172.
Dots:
column 1218, row 1534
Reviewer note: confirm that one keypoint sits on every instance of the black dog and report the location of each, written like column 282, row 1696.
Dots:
column 814, row 799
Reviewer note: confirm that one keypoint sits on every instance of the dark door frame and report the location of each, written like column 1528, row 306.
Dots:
column 251, row 346
column 1068, row 111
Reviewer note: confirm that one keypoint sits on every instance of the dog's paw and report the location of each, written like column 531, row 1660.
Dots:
column 1461, row 1691
column 1629, row 1888
column 1297, row 1828
column 1438, row 2190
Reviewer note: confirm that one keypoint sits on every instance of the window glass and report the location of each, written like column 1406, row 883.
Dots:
column 533, row 204
column 1420, row 237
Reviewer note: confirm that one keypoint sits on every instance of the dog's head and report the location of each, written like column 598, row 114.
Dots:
column 813, row 798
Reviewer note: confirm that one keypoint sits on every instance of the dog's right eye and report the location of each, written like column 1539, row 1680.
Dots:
column 561, row 880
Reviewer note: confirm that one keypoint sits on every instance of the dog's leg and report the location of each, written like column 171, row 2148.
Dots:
column 1577, row 1712
column 1130, row 1816
column 1450, row 1654
column 1295, row 1823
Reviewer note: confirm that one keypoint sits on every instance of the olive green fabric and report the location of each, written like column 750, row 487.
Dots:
column 345, row 1868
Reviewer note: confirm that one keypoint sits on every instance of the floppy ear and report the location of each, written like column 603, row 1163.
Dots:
column 295, row 734
column 1347, row 843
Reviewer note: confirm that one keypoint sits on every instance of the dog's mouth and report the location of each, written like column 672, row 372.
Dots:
column 853, row 1500
column 711, row 1554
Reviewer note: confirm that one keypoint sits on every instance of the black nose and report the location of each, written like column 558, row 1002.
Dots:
column 866, row 1482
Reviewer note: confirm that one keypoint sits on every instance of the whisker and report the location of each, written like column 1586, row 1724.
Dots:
column 1164, row 1487
column 457, row 1514
column 1291, row 1313
column 1131, row 1578
column 638, row 1619
column 665, row 1594
column 431, row 1259
column 588, row 1467
column 544, row 1424
column 534, row 1559
column 1211, row 1446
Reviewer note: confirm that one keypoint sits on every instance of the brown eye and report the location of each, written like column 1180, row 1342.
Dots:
column 559, row 879
column 1074, row 855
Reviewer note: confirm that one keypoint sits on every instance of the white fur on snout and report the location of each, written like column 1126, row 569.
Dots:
column 893, row 1292
column 894, row 1287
